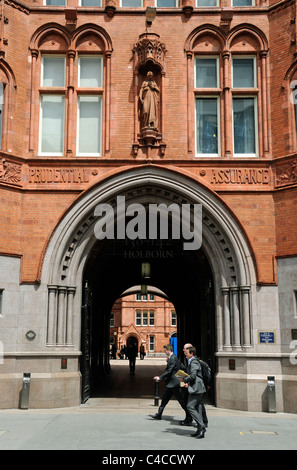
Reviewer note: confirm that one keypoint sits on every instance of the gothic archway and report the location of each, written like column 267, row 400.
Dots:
column 224, row 243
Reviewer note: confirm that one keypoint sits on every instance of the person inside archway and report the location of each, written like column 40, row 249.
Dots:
column 132, row 354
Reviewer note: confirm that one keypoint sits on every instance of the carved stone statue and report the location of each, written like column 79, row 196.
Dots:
column 149, row 98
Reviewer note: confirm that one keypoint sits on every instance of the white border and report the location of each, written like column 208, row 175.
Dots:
column 236, row 57
column 213, row 57
column 83, row 154
column 210, row 155
column 89, row 56
column 247, row 155
column 49, row 154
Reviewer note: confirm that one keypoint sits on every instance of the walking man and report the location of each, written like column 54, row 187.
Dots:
column 196, row 389
column 172, row 384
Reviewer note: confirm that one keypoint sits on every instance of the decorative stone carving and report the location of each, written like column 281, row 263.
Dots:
column 149, row 48
column 9, row 172
column 286, row 174
column 149, row 98
column 149, row 61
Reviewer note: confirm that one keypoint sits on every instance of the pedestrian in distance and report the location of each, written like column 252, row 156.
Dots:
column 194, row 383
column 132, row 354
column 172, row 384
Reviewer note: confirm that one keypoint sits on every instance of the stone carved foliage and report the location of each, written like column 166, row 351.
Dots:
column 9, row 172
column 149, row 48
column 286, row 174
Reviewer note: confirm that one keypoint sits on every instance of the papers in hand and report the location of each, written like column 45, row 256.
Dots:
column 181, row 374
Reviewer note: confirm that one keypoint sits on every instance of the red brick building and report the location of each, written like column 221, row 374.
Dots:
column 75, row 134
column 144, row 319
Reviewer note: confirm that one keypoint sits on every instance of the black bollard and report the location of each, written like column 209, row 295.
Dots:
column 157, row 393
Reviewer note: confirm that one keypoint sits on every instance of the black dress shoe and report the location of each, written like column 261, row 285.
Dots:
column 185, row 422
column 156, row 416
column 199, row 434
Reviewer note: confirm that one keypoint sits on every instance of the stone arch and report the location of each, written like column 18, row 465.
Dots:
column 224, row 243
column 48, row 32
column 257, row 37
column 92, row 30
column 206, row 30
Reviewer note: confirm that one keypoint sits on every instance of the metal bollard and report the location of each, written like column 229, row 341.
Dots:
column 25, row 391
column 157, row 393
column 271, row 394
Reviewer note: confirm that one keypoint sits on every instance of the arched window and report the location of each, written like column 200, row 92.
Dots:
column 227, row 79
column 73, row 92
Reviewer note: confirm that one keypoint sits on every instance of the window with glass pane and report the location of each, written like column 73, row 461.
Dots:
column 145, row 318
column 53, row 71
column 89, row 124
column 206, row 73
column 131, row 3
column 206, row 3
column 244, row 128
column 90, row 72
column 152, row 297
column 52, row 124
column 138, row 318
column 152, row 318
column 138, row 297
column 166, row 3
column 207, row 126
column 173, row 318
column 152, row 344
column 242, row 3
column 56, row 3
column 244, row 73
column 90, row 3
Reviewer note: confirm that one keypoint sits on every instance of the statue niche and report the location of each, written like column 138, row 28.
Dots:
column 149, row 74
column 149, row 97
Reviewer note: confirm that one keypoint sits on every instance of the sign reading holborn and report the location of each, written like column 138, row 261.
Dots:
column 150, row 223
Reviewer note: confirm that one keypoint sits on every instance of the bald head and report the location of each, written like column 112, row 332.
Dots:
column 187, row 346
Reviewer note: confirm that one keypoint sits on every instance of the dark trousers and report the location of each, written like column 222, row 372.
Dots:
column 167, row 395
column 194, row 406
column 132, row 361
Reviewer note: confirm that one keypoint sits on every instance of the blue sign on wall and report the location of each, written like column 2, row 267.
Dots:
column 266, row 337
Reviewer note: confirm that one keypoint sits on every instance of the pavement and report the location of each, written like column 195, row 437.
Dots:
column 116, row 421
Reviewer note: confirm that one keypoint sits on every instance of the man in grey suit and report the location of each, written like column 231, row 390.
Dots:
column 172, row 384
column 194, row 383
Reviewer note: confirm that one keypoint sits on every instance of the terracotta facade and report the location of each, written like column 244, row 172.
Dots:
column 48, row 197
column 150, row 321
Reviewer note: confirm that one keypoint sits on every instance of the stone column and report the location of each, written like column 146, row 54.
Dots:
column 71, row 55
column 263, row 55
column 245, row 296
column 52, row 314
column 227, row 104
column 61, row 316
column 34, row 55
column 69, row 316
column 190, row 109
column 226, row 317
column 236, row 317
column 108, row 100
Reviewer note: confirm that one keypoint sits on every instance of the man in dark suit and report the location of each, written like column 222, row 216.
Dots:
column 194, row 383
column 172, row 384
